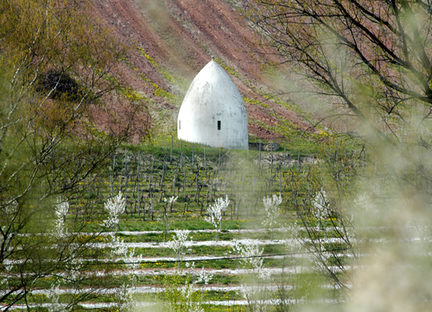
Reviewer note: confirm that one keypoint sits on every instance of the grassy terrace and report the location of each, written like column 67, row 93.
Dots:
column 197, row 175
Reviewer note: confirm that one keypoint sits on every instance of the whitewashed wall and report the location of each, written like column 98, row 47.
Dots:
column 213, row 97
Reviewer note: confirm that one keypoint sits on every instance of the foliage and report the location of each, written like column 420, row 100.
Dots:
column 182, row 297
column 111, row 268
column 56, row 68
column 369, row 58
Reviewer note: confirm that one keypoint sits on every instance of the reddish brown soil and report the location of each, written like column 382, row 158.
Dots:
column 181, row 36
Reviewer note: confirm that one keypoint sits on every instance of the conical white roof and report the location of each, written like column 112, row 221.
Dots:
column 213, row 111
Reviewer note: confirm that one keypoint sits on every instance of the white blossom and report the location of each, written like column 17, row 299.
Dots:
column 192, row 305
column 251, row 256
column 249, row 293
column 256, row 296
column 271, row 206
column 293, row 244
column 12, row 208
column 171, row 200
column 61, row 210
column 190, row 265
column 216, row 210
column 179, row 240
column 178, row 244
column 364, row 205
column 126, row 301
column 8, row 265
column 54, row 297
column 115, row 207
column 73, row 269
column 320, row 207
column 120, row 249
column 204, row 277
column 320, row 202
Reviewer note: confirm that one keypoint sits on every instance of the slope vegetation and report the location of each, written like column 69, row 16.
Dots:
column 169, row 41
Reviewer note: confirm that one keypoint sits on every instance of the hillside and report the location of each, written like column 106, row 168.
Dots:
column 169, row 41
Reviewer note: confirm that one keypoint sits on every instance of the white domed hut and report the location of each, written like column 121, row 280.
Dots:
column 213, row 112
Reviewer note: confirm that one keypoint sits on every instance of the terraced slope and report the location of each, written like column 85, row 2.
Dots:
column 171, row 40
column 230, row 278
column 136, row 258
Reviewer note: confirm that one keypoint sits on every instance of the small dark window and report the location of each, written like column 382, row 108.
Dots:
column 179, row 124
column 219, row 124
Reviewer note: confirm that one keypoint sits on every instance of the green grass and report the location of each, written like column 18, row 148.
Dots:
column 186, row 214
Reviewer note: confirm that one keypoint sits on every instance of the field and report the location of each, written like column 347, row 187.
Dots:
column 253, row 259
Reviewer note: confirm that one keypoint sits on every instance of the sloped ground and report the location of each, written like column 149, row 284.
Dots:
column 171, row 40
column 142, row 229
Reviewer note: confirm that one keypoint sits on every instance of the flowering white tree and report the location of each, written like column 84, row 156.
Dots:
column 204, row 277
column 115, row 207
column 126, row 301
column 4, row 281
column 215, row 212
column 61, row 210
column 183, row 294
column 178, row 244
column 251, row 257
column 54, row 297
column 72, row 269
column 271, row 206
column 183, row 297
column 294, row 240
column 190, row 303
column 320, row 207
column 120, row 250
